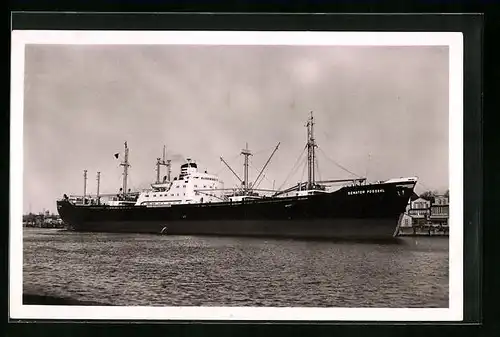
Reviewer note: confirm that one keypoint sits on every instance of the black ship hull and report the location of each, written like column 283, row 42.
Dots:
column 355, row 212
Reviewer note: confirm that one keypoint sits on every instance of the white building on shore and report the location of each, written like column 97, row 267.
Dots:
column 422, row 213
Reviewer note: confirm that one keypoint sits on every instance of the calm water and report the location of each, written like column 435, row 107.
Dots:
column 153, row 270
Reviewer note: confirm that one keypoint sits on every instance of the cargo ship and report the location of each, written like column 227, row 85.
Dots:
column 196, row 203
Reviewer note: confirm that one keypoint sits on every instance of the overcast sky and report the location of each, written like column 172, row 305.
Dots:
column 380, row 112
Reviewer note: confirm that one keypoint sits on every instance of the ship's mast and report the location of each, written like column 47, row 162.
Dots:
column 84, row 185
column 167, row 163
column 158, row 163
column 246, row 152
column 246, row 185
column 162, row 162
column 98, row 183
column 311, row 146
column 169, row 170
column 125, row 165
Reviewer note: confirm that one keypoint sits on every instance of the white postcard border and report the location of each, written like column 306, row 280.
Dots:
column 452, row 39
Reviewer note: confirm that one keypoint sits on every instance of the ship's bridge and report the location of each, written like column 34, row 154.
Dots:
column 190, row 186
column 188, row 168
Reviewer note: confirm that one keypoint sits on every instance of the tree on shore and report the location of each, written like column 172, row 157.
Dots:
column 429, row 195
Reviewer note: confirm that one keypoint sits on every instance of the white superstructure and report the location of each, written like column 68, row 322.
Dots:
column 191, row 186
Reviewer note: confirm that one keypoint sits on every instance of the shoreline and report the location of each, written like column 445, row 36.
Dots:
column 425, row 234
column 38, row 299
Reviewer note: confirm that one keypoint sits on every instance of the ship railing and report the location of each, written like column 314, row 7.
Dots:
column 94, row 199
column 233, row 192
column 106, row 195
column 333, row 181
column 211, row 195
column 320, row 185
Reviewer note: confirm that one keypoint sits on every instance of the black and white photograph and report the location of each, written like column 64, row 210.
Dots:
column 236, row 175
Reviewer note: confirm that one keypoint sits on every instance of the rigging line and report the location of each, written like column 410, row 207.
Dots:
column 130, row 184
column 255, row 170
column 289, row 175
column 337, row 164
column 119, row 180
column 303, row 172
column 294, row 168
column 236, row 185
column 230, row 162
column 265, row 150
column 425, row 186
column 133, row 187
column 260, row 181
column 257, row 183
column 317, row 167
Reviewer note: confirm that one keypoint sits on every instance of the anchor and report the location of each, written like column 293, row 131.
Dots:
column 163, row 231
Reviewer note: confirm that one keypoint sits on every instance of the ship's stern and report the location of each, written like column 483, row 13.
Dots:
column 68, row 213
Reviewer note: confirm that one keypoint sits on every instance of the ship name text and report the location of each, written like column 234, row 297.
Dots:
column 372, row 191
